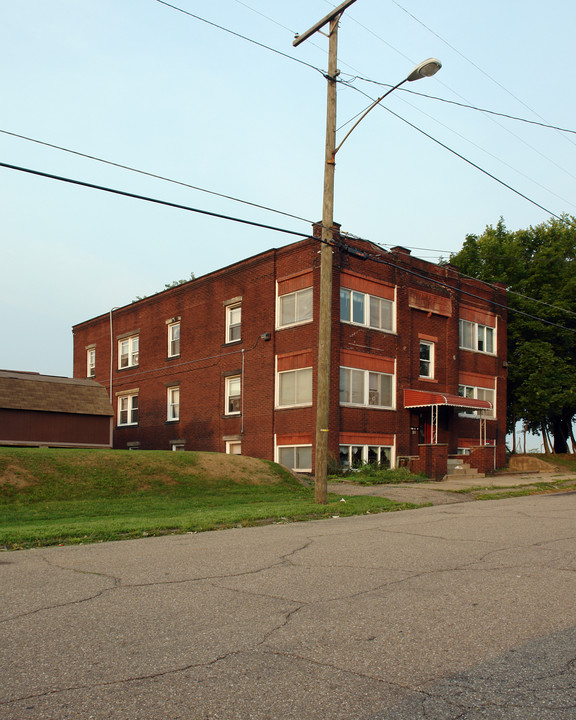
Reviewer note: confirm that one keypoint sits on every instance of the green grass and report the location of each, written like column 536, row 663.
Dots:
column 377, row 475
column 55, row 496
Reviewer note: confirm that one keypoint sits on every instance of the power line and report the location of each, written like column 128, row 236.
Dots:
column 146, row 198
column 341, row 246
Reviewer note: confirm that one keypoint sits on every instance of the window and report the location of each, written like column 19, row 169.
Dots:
column 362, row 387
column 233, row 395
column 353, row 456
column 476, row 337
column 234, row 447
column 91, row 362
column 128, row 352
column 426, row 359
column 233, row 323
column 361, row 309
column 296, row 457
column 295, row 307
column 477, row 393
column 174, row 339
column 295, row 387
column 173, row 404
column 128, row 410
column 177, row 445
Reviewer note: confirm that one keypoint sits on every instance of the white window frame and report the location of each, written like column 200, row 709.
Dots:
column 479, row 337
column 428, row 361
column 174, row 339
column 231, row 444
column 294, row 465
column 364, row 451
column 173, row 404
column 132, row 352
column 232, row 327
column 301, row 314
column 366, row 376
column 298, row 375
column 366, row 319
column 233, row 379
column 473, row 392
column 131, row 409
column 91, row 362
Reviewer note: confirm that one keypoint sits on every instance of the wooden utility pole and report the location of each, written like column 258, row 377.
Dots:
column 325, row 314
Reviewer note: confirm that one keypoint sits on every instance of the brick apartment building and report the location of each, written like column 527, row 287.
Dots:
column 227, row 362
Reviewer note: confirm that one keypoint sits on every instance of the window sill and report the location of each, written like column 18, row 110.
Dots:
column 426, row 379
column 479, row 352
column 232, row 415
column 368, row 327
column 295, row 324
column 129, row 367
column 172, row 422
column 232, row 342
column 367, row 407
column 291, row 407
column 127, row 425
column 172, row 357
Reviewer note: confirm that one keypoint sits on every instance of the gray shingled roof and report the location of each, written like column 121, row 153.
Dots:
column 32, row 391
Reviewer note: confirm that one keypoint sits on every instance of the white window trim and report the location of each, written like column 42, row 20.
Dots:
column 131, row 353
column 392, row 449
column 130, row 397
column 431, row 361
column 171, row 340
column 366, row 322
column 233, row 443
column 294, row 447
column 284, row 372
column 476, row 326
column 477, row 414
column 229, row 310
column 296, row 294
column 366, row 388
column 227, row 395
column 170, row 404
column 91, row 362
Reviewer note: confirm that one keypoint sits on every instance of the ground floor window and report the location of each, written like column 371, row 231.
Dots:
column 234, row 447
column 354, row 456
column 296, row 457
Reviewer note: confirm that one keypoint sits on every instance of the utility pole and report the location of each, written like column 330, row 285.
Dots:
column 325, row 314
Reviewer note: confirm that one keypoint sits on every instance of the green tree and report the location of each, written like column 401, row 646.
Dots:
column 537, row 263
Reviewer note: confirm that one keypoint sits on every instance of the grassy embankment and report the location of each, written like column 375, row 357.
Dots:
column 55, row 496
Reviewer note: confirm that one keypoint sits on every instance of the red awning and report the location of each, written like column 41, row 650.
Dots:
column 424, row 398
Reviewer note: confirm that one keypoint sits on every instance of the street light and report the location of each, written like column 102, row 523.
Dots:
column 424, row 69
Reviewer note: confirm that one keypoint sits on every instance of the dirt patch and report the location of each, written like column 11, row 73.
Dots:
column 237, row 468
column 17, row 477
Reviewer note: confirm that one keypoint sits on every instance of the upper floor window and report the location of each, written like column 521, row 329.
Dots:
column 477, row 393
column 295, row 387
column 128, row 410
column 233, row 395
column 474, row 336
column 295, row 307
column 365, row 388
column 174, row 339
column 426, row 359
column 362, row 309
column 128, row 352
column 233, row 323
column 173, row 403
column 91, row 362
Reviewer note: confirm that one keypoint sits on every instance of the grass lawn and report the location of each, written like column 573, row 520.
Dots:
column 57, row 496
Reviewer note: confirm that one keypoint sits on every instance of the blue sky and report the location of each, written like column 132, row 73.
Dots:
column 143, row 85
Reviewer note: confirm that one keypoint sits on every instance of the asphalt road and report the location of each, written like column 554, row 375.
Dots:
column 452, row 612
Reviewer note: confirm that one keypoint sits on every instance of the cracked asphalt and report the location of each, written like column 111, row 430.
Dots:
column 453, row 612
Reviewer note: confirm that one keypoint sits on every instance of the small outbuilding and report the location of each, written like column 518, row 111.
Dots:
column 45, row 410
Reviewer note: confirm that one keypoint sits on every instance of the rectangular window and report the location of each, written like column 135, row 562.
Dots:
column 173, row 404
column 361, row 309
column 479, row 338
column 233, row 323
column 365, row 388
column 128, row 410
column 234, row 447
column 477, row 393
column 296, row 457
column 128, row 352
column 295, row 307
column 354, row 456
column 295, row 387
column 91, row 362
column 426, row 359
column 233, row 395
column 174, row 339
